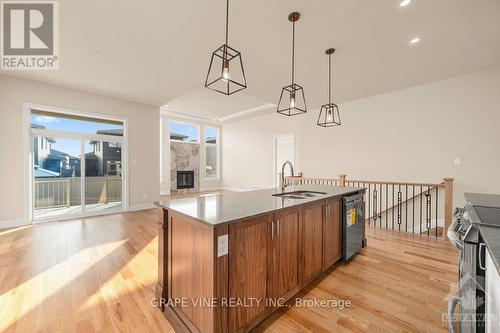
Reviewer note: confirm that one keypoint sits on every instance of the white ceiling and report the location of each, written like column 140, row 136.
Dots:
column 208, row 104
column 155, row 51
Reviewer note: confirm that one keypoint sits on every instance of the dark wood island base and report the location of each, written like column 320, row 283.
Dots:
column 230, row 276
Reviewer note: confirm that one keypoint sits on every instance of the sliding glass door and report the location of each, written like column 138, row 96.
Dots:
column 77, row 166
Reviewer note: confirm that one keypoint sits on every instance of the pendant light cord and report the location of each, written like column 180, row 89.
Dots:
column 330, row 79
column 227, row 20
column 293, row 52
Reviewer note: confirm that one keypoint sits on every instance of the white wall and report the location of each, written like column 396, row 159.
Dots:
column 248, row 150
column 412, row 134
column 143, row 140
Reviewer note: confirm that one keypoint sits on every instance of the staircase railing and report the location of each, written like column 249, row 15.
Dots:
column 412, row 207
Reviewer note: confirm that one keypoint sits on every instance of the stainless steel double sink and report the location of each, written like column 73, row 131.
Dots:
column 299, row 194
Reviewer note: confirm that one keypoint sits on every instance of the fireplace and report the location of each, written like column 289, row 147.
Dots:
column 185, row 179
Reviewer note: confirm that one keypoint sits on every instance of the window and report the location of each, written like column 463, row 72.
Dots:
column 211, row 152
column 184, row 132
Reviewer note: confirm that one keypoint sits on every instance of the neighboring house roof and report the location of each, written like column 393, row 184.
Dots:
column 42, row 127
column 56, row 154
column 211, row 140
column 44, row 173
column 177, row 136
column 116, row 132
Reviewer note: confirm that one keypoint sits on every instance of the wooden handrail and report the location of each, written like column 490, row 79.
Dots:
column 342, row 180
column 395, row 183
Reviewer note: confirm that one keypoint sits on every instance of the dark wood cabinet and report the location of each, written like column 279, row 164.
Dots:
column 248, row 269
column 312, row 245
column 263, row 265
column 332, row 233
column 284, row 254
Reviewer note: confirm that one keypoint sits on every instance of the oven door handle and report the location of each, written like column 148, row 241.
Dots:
column 481, row 264
column 452, row 304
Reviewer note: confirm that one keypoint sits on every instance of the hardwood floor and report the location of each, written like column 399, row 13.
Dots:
column 98, row 275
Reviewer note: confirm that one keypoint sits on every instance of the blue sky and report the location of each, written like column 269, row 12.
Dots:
column 70, row 125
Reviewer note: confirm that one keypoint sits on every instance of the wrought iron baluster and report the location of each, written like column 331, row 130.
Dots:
column 392, row 207
column 380, row 207
column 406, row 208
column 400, row 199
column 428, row 211
column 386, row 204
column 437, row 207
column 375, row 213
column 369, row 204
column 413, row 209
column 420, row 224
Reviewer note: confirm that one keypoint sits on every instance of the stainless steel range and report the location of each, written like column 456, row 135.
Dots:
column 470, row 298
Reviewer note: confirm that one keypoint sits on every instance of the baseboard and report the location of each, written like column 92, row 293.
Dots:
column 416, row 229
column 165, row 192
column 209, row 188
column 132, row 208
column 12, row 223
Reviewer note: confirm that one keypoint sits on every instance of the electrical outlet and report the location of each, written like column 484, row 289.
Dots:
column 222, row 245
column 458, row 161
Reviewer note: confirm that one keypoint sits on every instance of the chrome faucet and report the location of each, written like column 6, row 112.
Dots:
column 283, row 185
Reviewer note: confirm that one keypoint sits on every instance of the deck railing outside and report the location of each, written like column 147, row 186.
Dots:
column 66, row 192
column 412, row 207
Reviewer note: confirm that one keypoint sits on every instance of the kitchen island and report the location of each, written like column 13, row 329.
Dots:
column 227, row 261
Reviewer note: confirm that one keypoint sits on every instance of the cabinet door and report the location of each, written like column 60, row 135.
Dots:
column 285, row 255
column 312, row 244
column 248, row 262
column 332, row 233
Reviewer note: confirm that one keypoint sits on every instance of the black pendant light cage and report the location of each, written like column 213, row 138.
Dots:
column 295, row 92
column 292, row 99
column 225, row 73
column 329, row 115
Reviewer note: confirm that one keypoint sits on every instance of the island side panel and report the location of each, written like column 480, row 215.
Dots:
column 191, row 271
column 160, row 288
column 221, row 283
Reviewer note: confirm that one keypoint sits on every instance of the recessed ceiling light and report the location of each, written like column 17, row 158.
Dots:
column 415, row 40
column 404, row 3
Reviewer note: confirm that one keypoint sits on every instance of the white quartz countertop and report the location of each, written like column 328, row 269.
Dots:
column 230, row 206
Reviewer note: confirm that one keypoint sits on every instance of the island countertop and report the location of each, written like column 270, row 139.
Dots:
column 221, row 208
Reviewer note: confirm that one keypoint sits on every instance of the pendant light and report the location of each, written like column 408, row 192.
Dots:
column 329, row 115
column 292, row 100
column 225, row 73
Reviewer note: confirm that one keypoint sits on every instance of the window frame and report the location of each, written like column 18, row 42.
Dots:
column 217, row 152
column 29, row 132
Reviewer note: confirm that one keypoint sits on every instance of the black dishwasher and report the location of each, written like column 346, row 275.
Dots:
column 353, row 225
